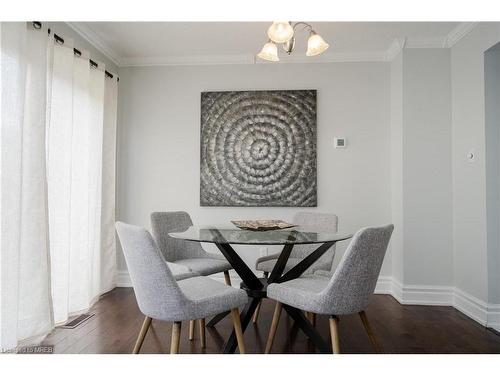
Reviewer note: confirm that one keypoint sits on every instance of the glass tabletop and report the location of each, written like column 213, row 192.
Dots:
column 296, row 235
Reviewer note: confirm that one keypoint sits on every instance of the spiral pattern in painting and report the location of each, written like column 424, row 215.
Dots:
column 258, row 148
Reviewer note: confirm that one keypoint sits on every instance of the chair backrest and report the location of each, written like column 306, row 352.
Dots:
column 319, row 223
column 155, row 288
column 174, row 249
column 354, row 280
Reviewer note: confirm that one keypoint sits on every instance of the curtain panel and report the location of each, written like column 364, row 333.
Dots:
column 58, row 146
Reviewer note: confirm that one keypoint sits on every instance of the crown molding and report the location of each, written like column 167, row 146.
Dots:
column 93, row 38
column 459, row 32
column 399, row 44
column 395, row 49
column 250, row 59
column 453, row 37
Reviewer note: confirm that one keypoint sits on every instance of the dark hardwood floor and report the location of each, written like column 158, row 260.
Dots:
column 399, row 329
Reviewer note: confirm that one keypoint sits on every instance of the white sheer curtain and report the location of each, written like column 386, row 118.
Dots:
column 24, row 257
column 58, row 137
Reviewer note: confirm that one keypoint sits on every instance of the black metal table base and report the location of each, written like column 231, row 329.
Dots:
column 217, row 318
column 306, row 327
column 256, row 289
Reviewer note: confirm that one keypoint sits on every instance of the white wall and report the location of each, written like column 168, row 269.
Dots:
column 421, row 167
column 492, row 129
column 427, row 180
column 396, row 113
column 469, row 178
column 159, row 130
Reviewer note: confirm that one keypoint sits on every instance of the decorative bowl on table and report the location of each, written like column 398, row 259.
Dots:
column 262, row 225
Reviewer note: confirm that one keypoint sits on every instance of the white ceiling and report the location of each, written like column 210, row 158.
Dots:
column 164, row 43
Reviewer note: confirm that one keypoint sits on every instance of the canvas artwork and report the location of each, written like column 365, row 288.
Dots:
column 258, row 148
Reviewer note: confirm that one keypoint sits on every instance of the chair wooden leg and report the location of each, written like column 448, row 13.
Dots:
column 203, row 340
column 334, row 333
column 176, row 338
column 227, row 278
column 235, row 314
column 369, row 331
column 256, row 313
column 142, row 334
column 274, row 327
column 191, row 330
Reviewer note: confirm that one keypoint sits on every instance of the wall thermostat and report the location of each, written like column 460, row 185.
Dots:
column 339, row 142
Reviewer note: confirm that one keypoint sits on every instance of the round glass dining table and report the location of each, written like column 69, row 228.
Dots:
column 256, row 287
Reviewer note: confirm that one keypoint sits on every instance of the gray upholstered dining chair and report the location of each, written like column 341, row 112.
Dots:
column 306, row 221
column 185, row 253
column 347, row 291
column 161, row 297
column 180, row 272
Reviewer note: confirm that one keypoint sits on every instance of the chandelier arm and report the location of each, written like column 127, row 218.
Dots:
column 305, row 24
column 289, row 45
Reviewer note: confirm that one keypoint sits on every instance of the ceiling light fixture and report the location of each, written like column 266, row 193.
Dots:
column 281, row 32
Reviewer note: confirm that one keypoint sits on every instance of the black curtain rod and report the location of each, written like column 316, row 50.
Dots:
column 38, row 25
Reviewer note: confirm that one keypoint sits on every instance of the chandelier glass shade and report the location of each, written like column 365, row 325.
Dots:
column 280, row 32
column 316, row 45
column 269, row 52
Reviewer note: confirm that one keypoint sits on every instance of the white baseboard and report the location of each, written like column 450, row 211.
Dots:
column 471, row 306
column 422, row 294
column 384, row 285
column 122, row 279
column 485, row 314
column 494, row 317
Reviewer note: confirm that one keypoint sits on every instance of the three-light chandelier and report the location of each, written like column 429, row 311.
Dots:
column 282, row 32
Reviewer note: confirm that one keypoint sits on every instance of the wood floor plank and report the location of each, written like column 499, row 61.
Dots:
column 399, row 329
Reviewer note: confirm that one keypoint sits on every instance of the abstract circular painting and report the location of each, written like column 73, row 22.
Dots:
column 258, row 148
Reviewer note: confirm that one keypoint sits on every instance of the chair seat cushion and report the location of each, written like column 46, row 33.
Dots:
column 180, row 272
column 323, row 273
column 209, row 297
column 268, row 265
column 304, row 293
column 204, row 266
